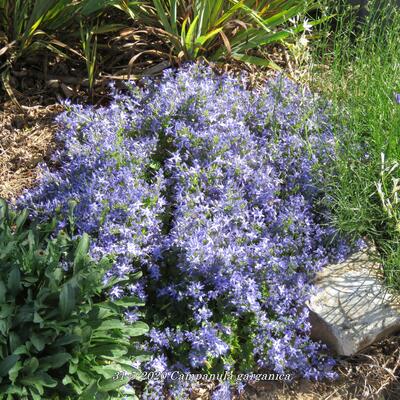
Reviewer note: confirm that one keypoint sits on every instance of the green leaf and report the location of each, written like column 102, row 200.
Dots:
column 54, row 361
column 21, row 350
column 14, row 371
column 38, row 341
column 39, row 379
column 257, row 61
column 4, row 327
column 107, row 28
column 190, row 38
column 67, row 339
column 111, row 324
column 37, row 319
column 3, row 292
column 24, row 314
column 108, row 385
column 163, row 16
column 3, row 210
column 94, row 6
column 137, row 329
column 66, row 380
column 14, row 281
column 67, row 300
column 81, row 251
column 128, row 302
column 83, row 376
column 14, row 341
column 21, row 219
column 7, row 364
column 90, row 392
column 109, row 350
column 9, row 249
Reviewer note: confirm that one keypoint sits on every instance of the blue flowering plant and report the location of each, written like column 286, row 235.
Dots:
column 212, row 191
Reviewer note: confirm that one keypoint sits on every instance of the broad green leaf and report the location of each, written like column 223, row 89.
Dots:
column 6, row 309
column 54, row 361
column 111, row 324
column 110, row 350
column 67, row 300
column 4, row 327
column 67, row 339
column 41, row 379
column 14, row 281
column 81, row 250
column 7, row 364
column 21, row 350
column 90, row 392
column 108, row 385
column 14, row 340
column 21, row 219
column 137, row 329
column 14, row 371
column 9, row 249
column 38, row 341
column 128, row 302
column 83, row 376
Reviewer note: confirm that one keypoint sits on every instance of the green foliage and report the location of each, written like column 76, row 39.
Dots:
column 219, row 28
column 362, row 57
column 59, row 338
column 31, row 26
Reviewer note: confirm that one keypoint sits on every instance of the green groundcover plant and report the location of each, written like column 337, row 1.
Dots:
column 59, row 339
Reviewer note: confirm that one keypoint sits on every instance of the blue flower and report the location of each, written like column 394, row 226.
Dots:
column 212, row 190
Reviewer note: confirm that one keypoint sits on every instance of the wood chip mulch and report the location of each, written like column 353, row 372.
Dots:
column 26, row 140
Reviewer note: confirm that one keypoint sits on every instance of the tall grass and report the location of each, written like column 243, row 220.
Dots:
column 362, row 77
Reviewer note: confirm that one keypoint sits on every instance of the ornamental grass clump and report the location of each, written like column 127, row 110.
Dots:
column 210, row 189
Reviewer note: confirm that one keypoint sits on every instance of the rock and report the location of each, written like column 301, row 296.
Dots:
column 352, row 307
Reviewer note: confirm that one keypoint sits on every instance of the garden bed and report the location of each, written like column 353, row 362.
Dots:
column 211, row 200
column 363, row 375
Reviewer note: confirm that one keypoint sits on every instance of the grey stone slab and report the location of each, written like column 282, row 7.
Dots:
column 352, row 307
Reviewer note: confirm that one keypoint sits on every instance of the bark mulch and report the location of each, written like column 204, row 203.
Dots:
column 26, row 140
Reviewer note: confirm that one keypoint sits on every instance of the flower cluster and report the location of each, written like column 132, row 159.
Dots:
column 213, row 191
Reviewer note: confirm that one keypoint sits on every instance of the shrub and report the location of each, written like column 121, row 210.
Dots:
column 212, row 190
column 216, row 29
column 58, row 337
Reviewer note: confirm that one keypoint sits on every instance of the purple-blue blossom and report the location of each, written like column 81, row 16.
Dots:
column 213, row 191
